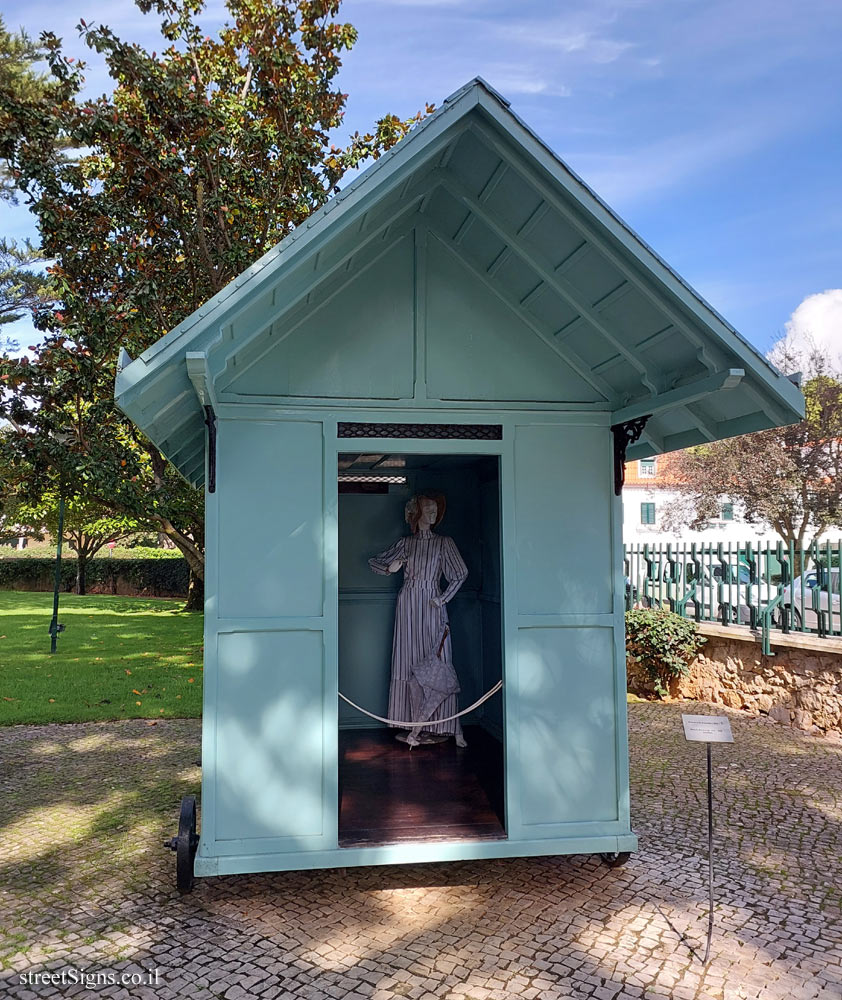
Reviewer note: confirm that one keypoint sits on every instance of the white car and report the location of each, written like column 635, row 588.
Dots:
column 800, row 601
column 737, row 590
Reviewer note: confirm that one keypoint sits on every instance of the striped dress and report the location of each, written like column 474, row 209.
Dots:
column 426, row 558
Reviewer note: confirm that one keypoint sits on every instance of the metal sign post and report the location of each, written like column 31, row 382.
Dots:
column 708, row 729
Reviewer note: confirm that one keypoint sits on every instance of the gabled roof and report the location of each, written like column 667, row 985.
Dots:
column 542, row 243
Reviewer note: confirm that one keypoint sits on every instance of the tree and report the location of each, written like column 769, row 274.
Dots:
column 22, row 289
column 88, row 524
column 789, row 477
column 18, row 54
column 201, row 159
column 87, row 527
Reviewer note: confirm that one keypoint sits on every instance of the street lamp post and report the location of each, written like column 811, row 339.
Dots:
column 55, row 628
column 63, row 438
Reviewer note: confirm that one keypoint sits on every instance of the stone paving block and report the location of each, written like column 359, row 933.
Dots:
column 529, row 929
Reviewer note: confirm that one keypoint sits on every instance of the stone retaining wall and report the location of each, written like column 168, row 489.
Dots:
column 800, row 686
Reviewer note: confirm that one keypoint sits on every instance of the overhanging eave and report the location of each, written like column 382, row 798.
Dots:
column 541, row 242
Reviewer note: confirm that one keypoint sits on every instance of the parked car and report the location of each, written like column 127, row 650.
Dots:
column 800, row 601
column 737, row 591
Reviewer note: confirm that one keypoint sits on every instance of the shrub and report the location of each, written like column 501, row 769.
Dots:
column 159, row 577
column 135, row 552
column 662, row 645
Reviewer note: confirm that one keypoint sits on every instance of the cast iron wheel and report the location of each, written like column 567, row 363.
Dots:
column 616, row 859
column 185, row 844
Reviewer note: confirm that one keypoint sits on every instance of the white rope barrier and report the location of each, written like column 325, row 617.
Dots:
column 434, row 722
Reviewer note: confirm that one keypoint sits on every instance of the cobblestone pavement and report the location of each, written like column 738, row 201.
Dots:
column 87, row 885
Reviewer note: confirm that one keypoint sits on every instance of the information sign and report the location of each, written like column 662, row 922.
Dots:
column 707, row 728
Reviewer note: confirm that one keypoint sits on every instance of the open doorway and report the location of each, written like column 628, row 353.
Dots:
column 389, row 793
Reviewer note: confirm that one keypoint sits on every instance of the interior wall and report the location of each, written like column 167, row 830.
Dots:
column 368, row 524
column 490, row 602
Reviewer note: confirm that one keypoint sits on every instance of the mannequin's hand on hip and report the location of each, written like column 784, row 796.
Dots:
column 436, row 602
column 395, row 565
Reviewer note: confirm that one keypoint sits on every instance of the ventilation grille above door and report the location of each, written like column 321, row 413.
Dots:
column 440, row 432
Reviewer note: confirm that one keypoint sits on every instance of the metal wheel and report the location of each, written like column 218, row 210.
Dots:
column 185, row 844
column 616, row 859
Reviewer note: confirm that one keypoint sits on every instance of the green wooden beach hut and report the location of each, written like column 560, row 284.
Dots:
column 466, row 318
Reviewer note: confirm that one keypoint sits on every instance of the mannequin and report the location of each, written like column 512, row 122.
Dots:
column 421, row 612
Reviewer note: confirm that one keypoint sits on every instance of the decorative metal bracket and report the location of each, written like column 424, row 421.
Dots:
column 624, row 435
column 210, row 423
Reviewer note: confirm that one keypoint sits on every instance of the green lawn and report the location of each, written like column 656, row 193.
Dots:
column 120, row 658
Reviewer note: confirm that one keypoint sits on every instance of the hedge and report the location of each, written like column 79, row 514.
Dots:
column 132, row 577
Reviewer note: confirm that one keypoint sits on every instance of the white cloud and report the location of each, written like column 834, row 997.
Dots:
column 579, row 34
column 818, row 320
column 517, row 80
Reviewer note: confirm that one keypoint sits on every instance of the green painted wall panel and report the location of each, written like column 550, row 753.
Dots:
column 478, row 348
column 567, row 725
column 365, row 656
column 358, row 344
column 271, row 535
column 489, row 512
column 563, row 487
column 369, row 523
column 270, row 736
column 491, row 712
column 491, row 608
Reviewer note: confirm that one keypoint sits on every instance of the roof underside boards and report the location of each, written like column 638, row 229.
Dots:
column 538, row 248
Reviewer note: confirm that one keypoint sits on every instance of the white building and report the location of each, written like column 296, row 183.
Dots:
column 648, row 492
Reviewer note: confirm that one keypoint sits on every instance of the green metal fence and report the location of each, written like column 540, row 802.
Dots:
column 767, row 587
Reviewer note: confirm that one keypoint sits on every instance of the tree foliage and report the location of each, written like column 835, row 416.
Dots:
column 23, row 287
column 789, row 477
column 203, row 157
column 87, row 525
column 18, row 54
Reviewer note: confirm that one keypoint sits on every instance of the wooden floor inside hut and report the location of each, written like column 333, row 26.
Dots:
column 390, row 794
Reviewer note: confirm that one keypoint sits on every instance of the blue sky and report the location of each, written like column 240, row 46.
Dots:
column 713, row 127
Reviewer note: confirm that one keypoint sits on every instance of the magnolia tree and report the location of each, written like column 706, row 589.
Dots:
column 788, row 477
column 202, row 157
